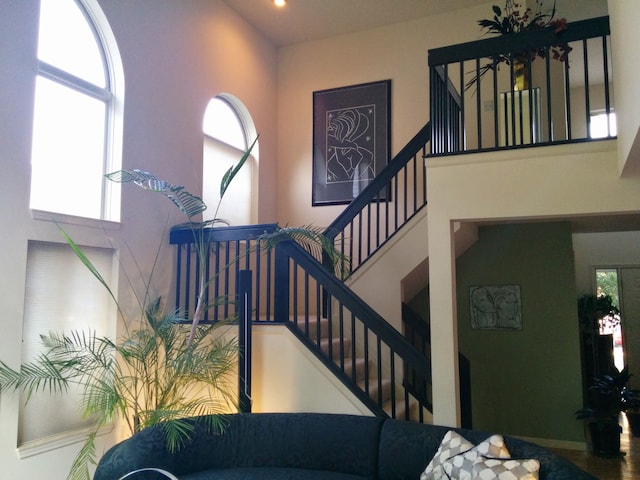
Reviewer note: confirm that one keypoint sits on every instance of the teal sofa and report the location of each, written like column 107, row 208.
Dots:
column 306, row 446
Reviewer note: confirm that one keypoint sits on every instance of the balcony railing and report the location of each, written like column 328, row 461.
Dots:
column 476, row 104
column 229, row 251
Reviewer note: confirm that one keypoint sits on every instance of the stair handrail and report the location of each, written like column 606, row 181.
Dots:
column 369, row 193
column 382, row 180
column 336, row 289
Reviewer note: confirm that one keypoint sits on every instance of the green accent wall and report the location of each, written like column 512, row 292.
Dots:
column 524, row 382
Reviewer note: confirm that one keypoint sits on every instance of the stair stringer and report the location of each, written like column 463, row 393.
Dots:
column 378, row 281
column 400, row 268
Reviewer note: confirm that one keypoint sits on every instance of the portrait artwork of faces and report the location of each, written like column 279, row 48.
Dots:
column 495, row 307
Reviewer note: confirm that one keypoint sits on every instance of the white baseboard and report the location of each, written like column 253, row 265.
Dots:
column 553, row 443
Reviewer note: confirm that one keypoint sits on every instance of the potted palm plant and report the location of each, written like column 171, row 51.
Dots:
column 159, row 371
column 162, row 369
column 609, row 396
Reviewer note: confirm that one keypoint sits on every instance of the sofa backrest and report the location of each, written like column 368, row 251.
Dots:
column 314, row 441
column 406, row 448
column 368, row 447
column 338, row 443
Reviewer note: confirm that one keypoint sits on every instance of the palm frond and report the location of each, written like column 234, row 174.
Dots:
column 233, row 170
column 189, row 204
column 41, row 374
column 86, row 262
column 177, row 432
column 86, row 456
column 313, row 240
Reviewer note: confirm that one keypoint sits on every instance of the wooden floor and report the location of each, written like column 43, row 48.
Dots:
column 624, row 467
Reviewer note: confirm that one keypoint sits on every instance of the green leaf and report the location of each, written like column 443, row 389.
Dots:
column 86, row 262
column 189, row 204
column 86, row 455
column 233, row 171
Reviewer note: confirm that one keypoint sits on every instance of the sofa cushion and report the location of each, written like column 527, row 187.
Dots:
column 451, row 446
column 498, row 469
column 461, row 466
column 406, row 448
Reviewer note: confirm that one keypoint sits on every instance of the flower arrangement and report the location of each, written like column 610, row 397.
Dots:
column 513, row 19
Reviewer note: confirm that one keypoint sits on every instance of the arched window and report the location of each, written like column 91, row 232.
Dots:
column 228, row 130
column 77, row 137
column 75, row 127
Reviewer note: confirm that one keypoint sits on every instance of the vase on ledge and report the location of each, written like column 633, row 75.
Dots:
column 520, row 76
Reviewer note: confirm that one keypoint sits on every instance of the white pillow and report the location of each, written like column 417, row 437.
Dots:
column 460, row 467
column 496, row 469
column 452, row 444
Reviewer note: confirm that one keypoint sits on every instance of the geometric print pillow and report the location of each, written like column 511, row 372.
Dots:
column 452, row 444
column 460, row 466
column 494, row 469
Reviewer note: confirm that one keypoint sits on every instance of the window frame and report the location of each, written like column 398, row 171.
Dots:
column 110, row 95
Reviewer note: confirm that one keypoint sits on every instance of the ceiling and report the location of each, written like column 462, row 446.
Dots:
column 306, row 20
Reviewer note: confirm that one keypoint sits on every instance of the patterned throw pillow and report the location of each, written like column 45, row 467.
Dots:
column 495, row 469
column 452, row 444
column 460, row 467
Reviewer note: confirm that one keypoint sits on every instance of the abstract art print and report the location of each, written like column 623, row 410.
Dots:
column 496, row 307
column 351, row 133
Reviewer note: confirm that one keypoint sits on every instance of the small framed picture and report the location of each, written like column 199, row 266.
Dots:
column 495, row 307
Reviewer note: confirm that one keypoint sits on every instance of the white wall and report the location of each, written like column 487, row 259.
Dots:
column 613, row 249
column 176, row 56
column 623, row 15
column 549, row 183
column 287, row 377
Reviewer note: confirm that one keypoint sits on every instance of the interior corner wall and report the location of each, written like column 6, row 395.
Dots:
column 524, row 382
column 623, row 17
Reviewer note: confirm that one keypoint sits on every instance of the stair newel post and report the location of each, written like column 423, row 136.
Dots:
column 328, row 264
column 281, row 283
column 244, row 293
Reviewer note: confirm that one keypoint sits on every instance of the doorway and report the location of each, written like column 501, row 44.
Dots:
column 623, row 285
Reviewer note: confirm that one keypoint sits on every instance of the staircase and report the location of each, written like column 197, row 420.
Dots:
column 364, row 350
column 368, row 354
column 354, row 326
column 361, row 371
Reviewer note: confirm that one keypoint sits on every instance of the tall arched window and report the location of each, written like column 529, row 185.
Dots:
column 76, row 137
column 228, row 130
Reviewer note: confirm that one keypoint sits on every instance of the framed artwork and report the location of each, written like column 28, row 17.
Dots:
column 351, row 135
column 495, row 307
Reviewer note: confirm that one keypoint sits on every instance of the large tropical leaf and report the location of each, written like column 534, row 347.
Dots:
column 189, row 204
column 233, row 171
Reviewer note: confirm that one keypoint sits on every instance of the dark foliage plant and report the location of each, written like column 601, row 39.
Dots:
column 513, row 19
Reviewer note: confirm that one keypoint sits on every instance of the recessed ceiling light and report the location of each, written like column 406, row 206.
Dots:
column 279, row 3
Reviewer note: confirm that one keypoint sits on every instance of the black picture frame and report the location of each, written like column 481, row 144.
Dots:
column 351, row 140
